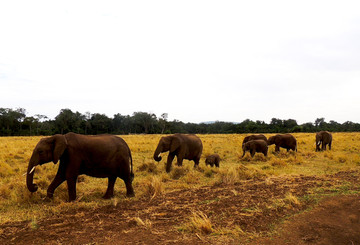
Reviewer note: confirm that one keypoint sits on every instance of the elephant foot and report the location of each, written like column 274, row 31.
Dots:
column 108, row 196
column 47, row 199
column 50, row 195
column 132, row 194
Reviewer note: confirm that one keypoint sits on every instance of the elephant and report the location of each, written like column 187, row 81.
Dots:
column 102, row 156
column 286, row 141
column 212, row 160
column 254, row 137
column 324, row 138
column 255, row 146
column 183, row 146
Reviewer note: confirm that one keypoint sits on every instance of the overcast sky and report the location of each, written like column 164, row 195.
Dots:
column 195, row 60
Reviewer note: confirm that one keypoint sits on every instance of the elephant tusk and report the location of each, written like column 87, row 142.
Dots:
column 159, row 154
column 32, row 170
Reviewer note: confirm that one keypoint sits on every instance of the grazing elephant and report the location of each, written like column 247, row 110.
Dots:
column 324, row 138
column 183, row 146
column 286, row 141
column 103, row 156
column 254, row 137
column 255, row 146
column 212, row 160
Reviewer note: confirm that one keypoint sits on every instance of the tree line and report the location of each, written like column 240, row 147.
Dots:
column 15, row 122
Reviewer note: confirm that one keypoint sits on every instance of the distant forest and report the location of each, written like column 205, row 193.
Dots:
column 15, row 122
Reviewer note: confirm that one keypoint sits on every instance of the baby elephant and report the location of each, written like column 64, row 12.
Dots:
column 255, row 146
column 212, row 160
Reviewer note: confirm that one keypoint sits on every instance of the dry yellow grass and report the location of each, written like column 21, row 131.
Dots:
column 17, row 203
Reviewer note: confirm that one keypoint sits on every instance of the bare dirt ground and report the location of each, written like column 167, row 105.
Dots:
column 256, row 206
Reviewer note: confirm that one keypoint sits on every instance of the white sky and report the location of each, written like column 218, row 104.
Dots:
column 195, row 60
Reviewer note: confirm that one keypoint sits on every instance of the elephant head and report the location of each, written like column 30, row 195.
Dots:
column 318, row 141
column 168, row 143
column 47, row 150
column 272, row 140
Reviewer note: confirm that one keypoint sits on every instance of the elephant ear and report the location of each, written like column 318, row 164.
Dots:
column 60, row 144
column 175, row 143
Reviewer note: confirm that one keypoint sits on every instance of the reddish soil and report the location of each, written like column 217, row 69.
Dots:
column 252, row 206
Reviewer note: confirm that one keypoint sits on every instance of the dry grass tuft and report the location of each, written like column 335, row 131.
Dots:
column 260, row 157
column 291, row 199
column 342, row 159
column 199, row 221
column 154, row 187
column 150, row 167
column 178, row 172
column 146, row 224
column 277, row 162
column 228, row 176
column 246, row 173
column 247, row 157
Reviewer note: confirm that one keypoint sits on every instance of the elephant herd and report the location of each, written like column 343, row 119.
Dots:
column 109, row 156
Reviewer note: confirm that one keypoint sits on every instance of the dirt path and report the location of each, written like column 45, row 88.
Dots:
column 336, row 220
column 238, row 213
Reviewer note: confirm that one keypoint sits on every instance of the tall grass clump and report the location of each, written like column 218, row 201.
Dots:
column 199, row 222
column 178, row 172
column 154, row 187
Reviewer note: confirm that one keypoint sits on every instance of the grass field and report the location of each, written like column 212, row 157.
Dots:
column 151, row 180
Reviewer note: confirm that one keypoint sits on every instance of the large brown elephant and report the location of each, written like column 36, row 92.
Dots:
column 254, row 137
column 103, row 156
column 286, row 141
column 324, row 138
column 183, row 146
column 255, row 146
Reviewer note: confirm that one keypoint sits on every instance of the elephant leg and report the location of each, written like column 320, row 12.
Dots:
column 287, row 149
column 329, row 146
column 252, row 152
column 169, row 162
column 180, row 159
column 110, row 190
column 58, row 180
column 243, row 154
column 265, row 153
column 277, row 148
column 71, row 182
column 197, row 161
column 129, row 188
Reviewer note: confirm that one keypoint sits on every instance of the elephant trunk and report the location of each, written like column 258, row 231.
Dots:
column 157, row 153
column 30, row 176
column 243, row 148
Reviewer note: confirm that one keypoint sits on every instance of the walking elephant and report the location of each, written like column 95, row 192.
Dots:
column 183, row 146
column 254, row 137
column 103, row 156
column 286, row 141
column 212, row 160
column 254, row 146
column 324, row 138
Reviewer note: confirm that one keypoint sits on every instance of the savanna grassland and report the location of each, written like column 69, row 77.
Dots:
column 245, row 201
